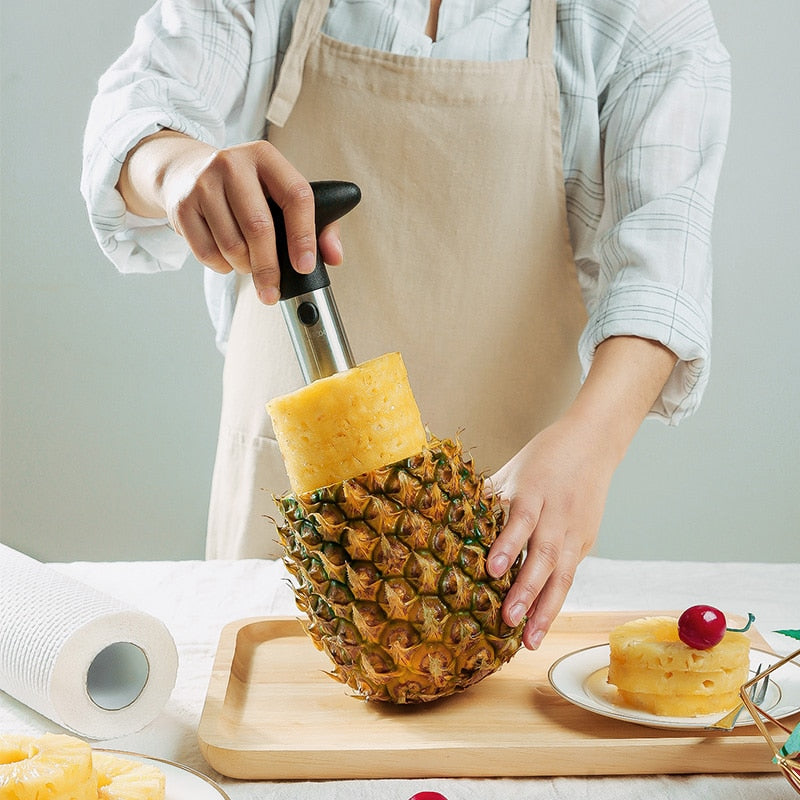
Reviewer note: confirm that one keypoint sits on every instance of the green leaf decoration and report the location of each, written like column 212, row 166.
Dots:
column 793, row 634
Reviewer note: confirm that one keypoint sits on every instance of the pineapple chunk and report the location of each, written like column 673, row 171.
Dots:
column 125, row 779
column 51, row 767
column 60, row 767
column 347, row 424
column 656, row 672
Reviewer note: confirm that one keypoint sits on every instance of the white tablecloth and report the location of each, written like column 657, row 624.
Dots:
column 196, row 599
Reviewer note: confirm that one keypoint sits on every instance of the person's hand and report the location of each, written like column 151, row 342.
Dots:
column 555, row 488
column 217, row 200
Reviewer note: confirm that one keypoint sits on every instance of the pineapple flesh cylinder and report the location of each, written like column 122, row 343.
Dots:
column 50, row 767
column 347, row 424
column 656, row 672
column 387, row 534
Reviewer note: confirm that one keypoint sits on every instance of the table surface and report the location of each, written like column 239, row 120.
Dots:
column 196, row 599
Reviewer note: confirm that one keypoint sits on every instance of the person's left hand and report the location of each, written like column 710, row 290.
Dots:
column 555, row 489
column 556, row 486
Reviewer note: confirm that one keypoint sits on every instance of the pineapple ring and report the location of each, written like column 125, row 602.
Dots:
column 678, row 682
column 121, row 778
column 663, row 705
column 51, row 767
column 654, row 642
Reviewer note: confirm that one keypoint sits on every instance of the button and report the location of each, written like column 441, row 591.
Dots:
column 307, row 313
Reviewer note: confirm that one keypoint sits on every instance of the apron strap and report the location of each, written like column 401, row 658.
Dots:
column 542, row 33
column 307, row 24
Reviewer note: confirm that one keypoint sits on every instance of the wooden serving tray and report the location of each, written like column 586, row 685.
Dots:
column 272, row 713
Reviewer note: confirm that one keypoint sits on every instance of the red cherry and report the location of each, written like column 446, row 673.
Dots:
column 701, row 627
column 427, row 796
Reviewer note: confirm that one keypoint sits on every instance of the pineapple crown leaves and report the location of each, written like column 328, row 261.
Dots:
column 795, row 634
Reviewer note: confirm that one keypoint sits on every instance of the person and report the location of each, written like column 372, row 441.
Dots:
column 538, row 181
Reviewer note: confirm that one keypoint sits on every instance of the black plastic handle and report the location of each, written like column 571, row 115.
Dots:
column 332, row 200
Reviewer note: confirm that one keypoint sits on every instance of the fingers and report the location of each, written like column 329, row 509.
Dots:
column 547, row 572
column 330, row 244
column 526, row 525
column 191, row 224
column 293, row 194
column 550, row 599
column 225, row 217
column 252, row 244
column 522, row 521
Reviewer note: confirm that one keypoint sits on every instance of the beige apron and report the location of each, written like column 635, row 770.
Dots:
column 458, row 255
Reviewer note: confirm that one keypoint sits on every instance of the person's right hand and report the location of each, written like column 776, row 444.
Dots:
column 217, row 200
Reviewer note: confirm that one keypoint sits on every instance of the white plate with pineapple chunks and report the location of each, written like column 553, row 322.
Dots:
column 61, row 765
column 182, row 783
column 581, row 678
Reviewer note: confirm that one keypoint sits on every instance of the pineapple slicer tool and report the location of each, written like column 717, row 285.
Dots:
column 307, row 302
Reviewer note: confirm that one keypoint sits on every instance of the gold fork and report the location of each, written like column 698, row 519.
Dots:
column 757, row 695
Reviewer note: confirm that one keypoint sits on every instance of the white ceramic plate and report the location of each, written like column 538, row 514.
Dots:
column 183, row 783
column 580, row 677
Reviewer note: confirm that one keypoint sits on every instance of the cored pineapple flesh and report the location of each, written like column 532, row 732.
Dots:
column 120, row 778
column 347, row 424
column 62, row 767
column 50, row 767
column 388, row 541
column 656, row 672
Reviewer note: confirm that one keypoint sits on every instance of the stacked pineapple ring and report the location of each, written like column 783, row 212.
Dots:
column 57, row 766
column 655, row 671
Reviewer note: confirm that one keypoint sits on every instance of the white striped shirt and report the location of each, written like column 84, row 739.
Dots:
column 645, row 102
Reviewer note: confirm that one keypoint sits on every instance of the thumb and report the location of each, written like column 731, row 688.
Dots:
column 330, row 244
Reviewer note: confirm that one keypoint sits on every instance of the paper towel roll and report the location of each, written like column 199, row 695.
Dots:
column 83, row 659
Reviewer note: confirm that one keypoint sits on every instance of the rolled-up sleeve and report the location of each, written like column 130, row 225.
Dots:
column 189, row 70
column 664, row 122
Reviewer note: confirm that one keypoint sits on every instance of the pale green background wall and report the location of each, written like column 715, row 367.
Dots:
column 110, row 385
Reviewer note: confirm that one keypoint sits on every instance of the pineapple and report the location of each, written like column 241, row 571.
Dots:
column 656, row 672
column 125, row 779
column 51, row 767
column 60, row 767
column 387, row 535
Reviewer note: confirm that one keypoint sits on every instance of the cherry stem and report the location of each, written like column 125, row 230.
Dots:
column 750, row 621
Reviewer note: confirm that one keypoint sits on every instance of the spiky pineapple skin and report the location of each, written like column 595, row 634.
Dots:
column 391, row 572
